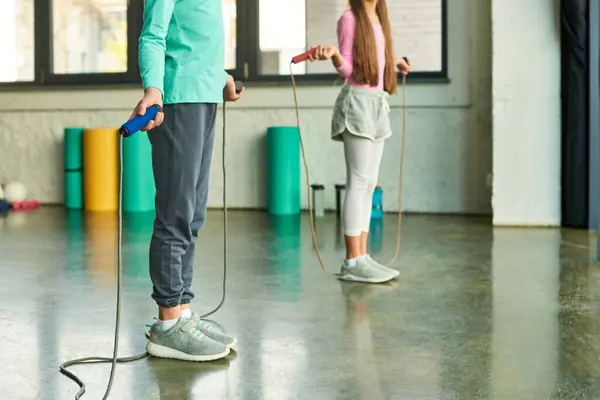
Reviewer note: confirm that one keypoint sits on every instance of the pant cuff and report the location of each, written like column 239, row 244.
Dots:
column 167, row 305
column 166, row 302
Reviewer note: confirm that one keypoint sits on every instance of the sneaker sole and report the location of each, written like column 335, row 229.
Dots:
column 233, row 345
column 354, row 278
column 394, row 272
column 157, row 350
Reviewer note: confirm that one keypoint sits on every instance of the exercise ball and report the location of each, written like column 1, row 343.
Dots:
column 15, row 192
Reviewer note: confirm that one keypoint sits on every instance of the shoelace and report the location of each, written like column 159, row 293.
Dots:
column 205, row 325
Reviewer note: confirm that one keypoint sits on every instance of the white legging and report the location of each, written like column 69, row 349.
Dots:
column 363, row 158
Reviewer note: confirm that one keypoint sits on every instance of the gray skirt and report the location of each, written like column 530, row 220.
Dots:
column 361, row 112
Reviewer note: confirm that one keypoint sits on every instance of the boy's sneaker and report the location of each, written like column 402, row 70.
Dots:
column 210, row 331
column 184, row 341
column 375, row 264
column 363, row 271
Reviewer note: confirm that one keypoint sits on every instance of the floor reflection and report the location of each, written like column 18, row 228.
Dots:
column 525, row 341
column 477, row 312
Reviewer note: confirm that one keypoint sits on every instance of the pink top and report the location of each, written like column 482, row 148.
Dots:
column 345, row 31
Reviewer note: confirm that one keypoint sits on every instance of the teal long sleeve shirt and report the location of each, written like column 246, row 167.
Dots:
column 182, row 50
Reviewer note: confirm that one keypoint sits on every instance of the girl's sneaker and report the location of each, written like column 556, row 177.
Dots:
column 392, row 271
column 363, row 271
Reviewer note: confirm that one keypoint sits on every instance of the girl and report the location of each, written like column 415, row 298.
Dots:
column 361, row 122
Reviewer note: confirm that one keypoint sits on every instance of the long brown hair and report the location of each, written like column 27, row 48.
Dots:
column 365, row 51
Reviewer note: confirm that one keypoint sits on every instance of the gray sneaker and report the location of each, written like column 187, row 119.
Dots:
column 212, row 333
column 184, row 341
column 364, row 272
column 375, row 264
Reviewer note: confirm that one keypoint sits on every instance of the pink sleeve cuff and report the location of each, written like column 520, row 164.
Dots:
column 345, row 69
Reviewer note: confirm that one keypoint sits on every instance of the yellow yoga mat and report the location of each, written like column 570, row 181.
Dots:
column 100, row 169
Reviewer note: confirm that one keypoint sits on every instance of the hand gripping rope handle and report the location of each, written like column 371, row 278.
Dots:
column 304, row 56
column 128, row 129
column 301, row 58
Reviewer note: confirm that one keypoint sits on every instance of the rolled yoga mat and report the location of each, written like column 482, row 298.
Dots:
column 283, row 170
column 138, row 179
column 100, row 169
column 73, row 166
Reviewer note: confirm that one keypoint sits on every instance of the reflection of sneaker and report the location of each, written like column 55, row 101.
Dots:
column 392, row 271
column 355, row 292
column 184, row 384
column 363, row 272
column 184, row 341
column 212, row 333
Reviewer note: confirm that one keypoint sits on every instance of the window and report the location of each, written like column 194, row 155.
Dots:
column 17, row 44
column 62, row 42
column 289, row 28
column 89, row 36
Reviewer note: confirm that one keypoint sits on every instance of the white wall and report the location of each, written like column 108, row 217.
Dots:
column 448, row 147
column 526, row 112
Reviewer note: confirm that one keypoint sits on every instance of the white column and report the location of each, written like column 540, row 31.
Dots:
column 526, row 112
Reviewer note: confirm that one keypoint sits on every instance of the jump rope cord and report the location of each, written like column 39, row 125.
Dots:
column 399, row 232
column 114, row 359
column 310, row 210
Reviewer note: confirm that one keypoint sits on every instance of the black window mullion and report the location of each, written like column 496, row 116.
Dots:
column 42, row 39
column 241, row 23
column 135, row 21
column 252, row 45
column 444, row 72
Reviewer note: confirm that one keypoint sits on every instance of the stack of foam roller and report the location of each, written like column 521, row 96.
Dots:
column 91, row 161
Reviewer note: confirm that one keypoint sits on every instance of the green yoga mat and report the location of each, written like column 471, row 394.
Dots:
column 283, row 170
column 73, row 165
column 138, row 179
column 74, row 190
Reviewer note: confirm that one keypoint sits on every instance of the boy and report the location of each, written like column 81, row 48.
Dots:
column 181, row 51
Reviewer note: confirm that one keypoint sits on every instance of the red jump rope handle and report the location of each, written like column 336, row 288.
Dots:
column 302, row 57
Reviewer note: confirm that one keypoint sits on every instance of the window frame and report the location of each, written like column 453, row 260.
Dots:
column 247, row 54
column 253, row 55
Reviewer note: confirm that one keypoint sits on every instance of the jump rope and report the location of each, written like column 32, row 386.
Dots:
column 130, row 128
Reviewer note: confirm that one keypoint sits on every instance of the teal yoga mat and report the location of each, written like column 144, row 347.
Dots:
column 73, row 165
column 138, row 179
column 283, row 170
column 74, row 190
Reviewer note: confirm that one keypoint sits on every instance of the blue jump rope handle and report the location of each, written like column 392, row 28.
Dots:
column 136, row 123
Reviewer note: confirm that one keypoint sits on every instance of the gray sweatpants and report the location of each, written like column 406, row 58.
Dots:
column 181, row 155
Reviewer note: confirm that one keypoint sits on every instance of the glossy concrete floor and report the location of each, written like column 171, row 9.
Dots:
column 478, row 313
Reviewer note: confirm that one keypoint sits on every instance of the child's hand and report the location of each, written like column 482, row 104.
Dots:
column 151, row 97
column 229, row 92
column 403, row 66
column 322, row 52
